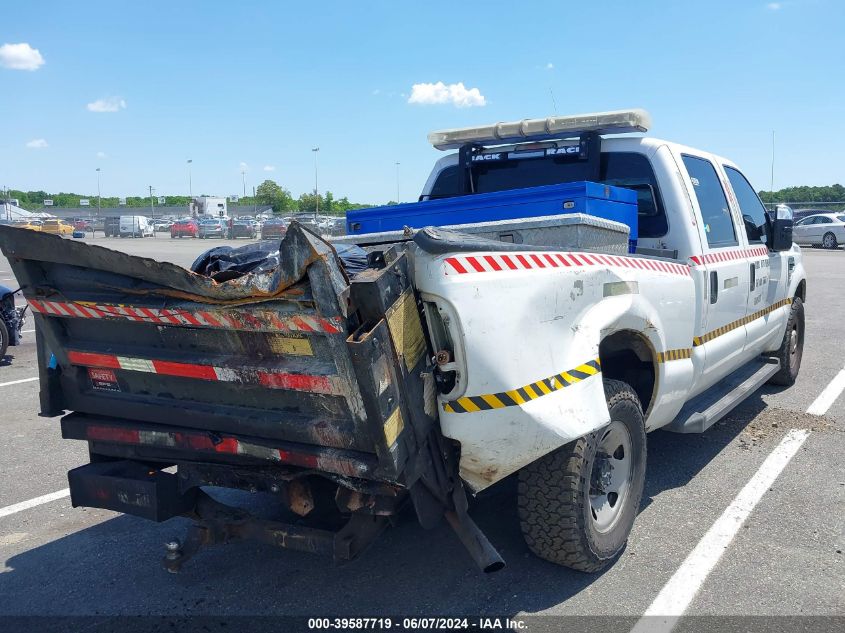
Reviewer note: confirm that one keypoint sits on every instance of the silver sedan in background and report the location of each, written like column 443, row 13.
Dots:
column 824, row 229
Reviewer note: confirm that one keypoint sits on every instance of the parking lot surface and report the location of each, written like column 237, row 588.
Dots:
column 786, row 559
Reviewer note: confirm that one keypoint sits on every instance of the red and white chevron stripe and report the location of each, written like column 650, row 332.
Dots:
column 504, row 262
column 252, row 320
column 271, row 379
column 729, row 255
column 204, row 442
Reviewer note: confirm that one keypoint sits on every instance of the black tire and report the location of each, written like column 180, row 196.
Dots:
column 4, row 339
column 556, row 515
column 829, row 241
column 791, row 349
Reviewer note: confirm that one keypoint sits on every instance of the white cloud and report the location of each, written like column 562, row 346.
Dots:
column 456, row 94
column 377, row 91
column 243, row 166
column 774, row 6
column 20, row 57
column 109, row 104
column 550, row 66
column 269, row 168
column 37, row 143
column 102, row 155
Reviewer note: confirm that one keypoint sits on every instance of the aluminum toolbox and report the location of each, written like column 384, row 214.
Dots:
column 571, row 230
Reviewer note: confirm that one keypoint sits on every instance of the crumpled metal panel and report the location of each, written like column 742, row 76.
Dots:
column 301, row 249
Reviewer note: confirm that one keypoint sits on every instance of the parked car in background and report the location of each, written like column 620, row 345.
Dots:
column 136, row 226
column 186, row 227
column 212, row 227
column 32, row 225
column 162, row 226
column 83, row 224
column 11, row 318
column 799, row 214
column 825, row 229
column 57, row 227
column 275, row 228
column 245, row 227
column 111, row 226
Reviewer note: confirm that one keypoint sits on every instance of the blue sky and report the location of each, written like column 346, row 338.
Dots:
column 261, row 83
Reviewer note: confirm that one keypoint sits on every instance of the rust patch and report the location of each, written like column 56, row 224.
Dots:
column 299, row 497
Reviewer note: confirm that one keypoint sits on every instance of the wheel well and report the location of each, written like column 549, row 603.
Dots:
column 801, row 291
column 627, row 356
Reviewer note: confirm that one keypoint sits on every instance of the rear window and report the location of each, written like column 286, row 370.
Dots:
column 622, row 169
column 841, row 218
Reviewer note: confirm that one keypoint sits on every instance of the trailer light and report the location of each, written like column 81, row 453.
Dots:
column 555, row 127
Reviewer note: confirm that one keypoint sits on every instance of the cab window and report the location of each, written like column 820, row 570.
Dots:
column 715, row 213
column 621, row 169
column 753, row 211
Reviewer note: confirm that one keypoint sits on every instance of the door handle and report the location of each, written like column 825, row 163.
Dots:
column 753, row 277
column 714, row 286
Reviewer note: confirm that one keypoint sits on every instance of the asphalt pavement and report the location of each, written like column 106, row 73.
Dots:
column 786, row 560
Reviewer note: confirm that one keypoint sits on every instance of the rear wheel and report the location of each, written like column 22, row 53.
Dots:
column 791, row 347
column 829, row 241
column 577, row 504
column 4, row 339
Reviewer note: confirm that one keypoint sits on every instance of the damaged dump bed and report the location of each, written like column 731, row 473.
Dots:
column 299, row 381
column 299, row 365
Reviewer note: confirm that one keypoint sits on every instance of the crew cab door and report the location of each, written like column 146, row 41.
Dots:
column 768, row 270
column 726, row 273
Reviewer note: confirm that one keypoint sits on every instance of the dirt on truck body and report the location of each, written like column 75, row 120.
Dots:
column 300, row 382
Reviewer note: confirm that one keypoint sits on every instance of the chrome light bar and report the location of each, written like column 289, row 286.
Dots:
column 554, row 127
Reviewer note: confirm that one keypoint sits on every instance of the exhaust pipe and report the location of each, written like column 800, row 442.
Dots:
column 482, row 552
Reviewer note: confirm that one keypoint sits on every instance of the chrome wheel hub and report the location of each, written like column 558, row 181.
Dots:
column 610, row 480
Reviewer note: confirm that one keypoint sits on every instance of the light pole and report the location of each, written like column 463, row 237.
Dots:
column 397, row 182
column 152, row 207
column 98, row 193
column 190, row 184
column 316, row 183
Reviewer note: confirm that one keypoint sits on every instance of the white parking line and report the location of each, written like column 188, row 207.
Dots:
column 828, row 396
column 17, row 382
column 26, row 505
column 673, row 600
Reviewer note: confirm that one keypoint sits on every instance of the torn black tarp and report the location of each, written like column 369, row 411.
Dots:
column 223, row 263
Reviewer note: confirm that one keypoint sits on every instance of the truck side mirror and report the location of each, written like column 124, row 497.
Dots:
column 781, row 235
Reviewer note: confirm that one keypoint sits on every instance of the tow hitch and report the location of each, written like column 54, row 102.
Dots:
column 218, row 523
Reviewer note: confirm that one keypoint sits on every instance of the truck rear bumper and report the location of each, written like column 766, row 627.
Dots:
column 131, row 488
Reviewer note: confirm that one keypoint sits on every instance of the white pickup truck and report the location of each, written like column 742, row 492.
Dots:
column 567, row 359
column 448, row 362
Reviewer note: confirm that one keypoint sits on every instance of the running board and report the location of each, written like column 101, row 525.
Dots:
column 703, row 411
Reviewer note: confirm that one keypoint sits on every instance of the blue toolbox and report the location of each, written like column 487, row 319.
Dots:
column 604, row 201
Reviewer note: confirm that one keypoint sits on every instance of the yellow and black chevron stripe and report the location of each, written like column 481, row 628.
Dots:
column 706, row 338
column 674, row 354
column 521, row 395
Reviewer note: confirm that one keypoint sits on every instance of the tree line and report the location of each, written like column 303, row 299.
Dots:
column 271, row 193
column 268, row 193
column 831, row 193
